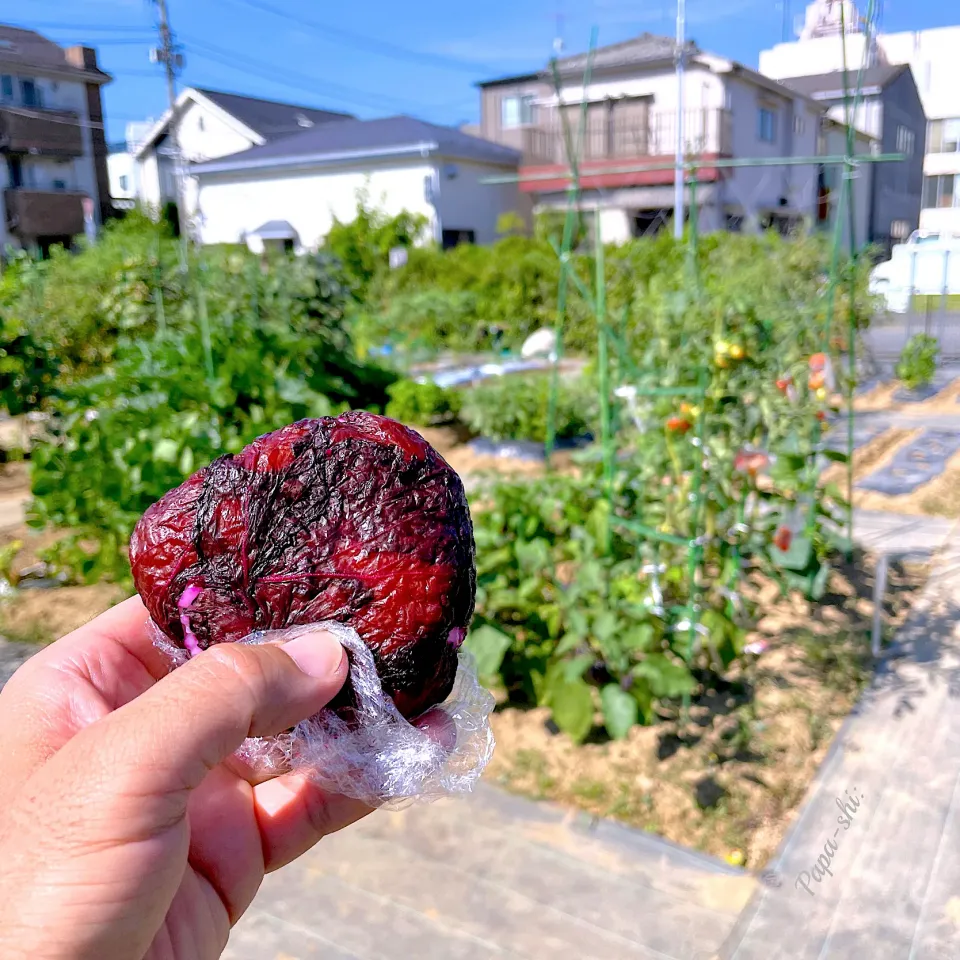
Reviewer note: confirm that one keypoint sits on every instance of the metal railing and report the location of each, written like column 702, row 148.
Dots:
column 609, row 137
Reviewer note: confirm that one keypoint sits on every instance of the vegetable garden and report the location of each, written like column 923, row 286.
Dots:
column 618, row 589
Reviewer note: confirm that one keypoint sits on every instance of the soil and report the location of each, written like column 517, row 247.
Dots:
column 729, row 779
column 453, row 445
column 882, row 396
column 42, row 616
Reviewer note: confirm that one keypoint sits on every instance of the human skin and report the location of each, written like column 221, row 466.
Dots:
column 127, row 829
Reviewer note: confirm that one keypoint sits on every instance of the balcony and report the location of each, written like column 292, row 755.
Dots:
column 43, row 213
column 48, row 133
column 610, row 144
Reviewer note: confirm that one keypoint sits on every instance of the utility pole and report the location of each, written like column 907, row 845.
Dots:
column 678, row 186
column 785, row 37
column 170, row 56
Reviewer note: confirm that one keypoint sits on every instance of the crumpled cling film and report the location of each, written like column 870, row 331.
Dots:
column 378, row 757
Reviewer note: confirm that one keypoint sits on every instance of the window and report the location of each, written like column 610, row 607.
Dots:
column 944, row 136
column 906, row 141
column 517, row 111
column 124, row 182
column 899, row 229
column 59, row 184
column 30, row 93
column 766, row 125
column 799, row 126
column 200, row 124
column 16, row 171
column 6, row 87
column 941, row 191
column 453, row 238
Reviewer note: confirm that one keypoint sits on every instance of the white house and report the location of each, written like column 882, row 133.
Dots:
column 209, row 124
column 627, row 154
column 288, row 192
column 122, row 165
column 933, row 57
column 53, row 170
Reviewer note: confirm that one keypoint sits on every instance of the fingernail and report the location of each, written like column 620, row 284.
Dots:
column 318, row 655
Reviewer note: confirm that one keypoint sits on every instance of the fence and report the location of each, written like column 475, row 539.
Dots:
column 918, row 291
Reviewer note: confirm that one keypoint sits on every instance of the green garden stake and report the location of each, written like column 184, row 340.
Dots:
column 603, row 372
column 158, row 292
column 205, row 328
column 572, row 215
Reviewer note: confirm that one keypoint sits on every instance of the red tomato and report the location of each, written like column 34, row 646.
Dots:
column 783, row 538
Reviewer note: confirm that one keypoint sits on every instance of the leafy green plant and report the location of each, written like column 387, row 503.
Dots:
column 918, row 362
column 421, row 404
column 515, row 408
column 27, row 370
column 363, row 244
column 250, row 352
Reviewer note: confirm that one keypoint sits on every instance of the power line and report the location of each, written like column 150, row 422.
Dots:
column 82, row 27
column 313, row 85
column 369, row 44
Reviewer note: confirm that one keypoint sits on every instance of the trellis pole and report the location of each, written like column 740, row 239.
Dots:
column 573, row 209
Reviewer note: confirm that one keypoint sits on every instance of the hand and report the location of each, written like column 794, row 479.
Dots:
column 126, row 828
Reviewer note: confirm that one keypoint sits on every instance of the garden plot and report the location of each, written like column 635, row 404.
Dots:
column 728, row 780
column 914, row 465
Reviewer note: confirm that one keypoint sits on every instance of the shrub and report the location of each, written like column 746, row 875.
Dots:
column 515, row 408
column 421, row 404
column 918, row 362
column 252, row 352
column 363, row 244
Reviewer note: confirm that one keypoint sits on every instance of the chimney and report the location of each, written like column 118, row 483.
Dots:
column 83, row 57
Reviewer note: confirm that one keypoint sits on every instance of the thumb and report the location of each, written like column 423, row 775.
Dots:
column 108, row 812
column 159, row 747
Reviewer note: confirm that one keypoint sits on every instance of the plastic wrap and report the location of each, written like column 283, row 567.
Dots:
column 377, row 756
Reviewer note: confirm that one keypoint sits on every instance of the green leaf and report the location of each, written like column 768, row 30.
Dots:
column 489, row 646
column 569, row 641
column 639, row 638
column 186, row 461
column 620, row 710
column 837, row 456
column 666, row 678
column 165, row 451
column 571, row 704
column 797, row 557
column 818, row 585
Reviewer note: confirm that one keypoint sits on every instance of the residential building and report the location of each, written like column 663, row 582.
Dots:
column 932, row 56
column 631, row 132
column 833, row 143
column 288, row 192
column 53, row 151
column 211, row 124
column 122, row 167
column 890, row 111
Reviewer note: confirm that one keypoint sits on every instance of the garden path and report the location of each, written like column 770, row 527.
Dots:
column 883, row 815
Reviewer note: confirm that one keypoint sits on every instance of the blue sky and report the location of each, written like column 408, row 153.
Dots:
column 379, row 57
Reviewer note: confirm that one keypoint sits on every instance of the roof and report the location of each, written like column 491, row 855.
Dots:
column 357, row 139
column 30, row 49
column 275, row 230
column 827, row 86
column 258, row 120
column 647, row 48
column 270, row 118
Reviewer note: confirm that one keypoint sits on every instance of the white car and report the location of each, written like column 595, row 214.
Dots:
column 928, row 264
